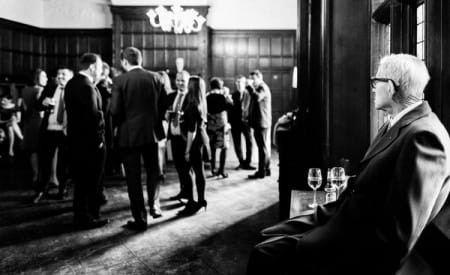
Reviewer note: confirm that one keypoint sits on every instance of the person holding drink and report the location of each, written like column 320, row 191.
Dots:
column 52, row 136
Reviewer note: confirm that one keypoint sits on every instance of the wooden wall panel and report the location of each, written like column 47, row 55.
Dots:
column 132, row 28
column 21, row 50
column 349, row 80
column 236, row 52
column 437, row 58
column 380, row 46
column 24, row 48
column 64, row 47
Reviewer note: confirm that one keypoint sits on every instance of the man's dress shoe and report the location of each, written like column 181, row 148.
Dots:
column 257, row 175
column 247, row 167
column 155, row 213
column 136, row 226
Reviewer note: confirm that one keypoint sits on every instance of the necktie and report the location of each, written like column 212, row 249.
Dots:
column 177, row 110
column 61, row 107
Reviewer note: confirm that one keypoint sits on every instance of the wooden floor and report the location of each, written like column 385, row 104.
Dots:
column 39, row 239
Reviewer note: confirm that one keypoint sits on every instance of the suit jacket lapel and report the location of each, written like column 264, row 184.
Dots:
column 381, row 141
column 99, row 98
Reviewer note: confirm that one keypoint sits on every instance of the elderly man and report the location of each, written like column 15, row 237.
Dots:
column 391, row 210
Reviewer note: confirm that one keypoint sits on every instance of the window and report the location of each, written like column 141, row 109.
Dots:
column 420, row 31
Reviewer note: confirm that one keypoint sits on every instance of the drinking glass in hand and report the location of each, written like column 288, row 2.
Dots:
column 314, row 181
column 338, row 179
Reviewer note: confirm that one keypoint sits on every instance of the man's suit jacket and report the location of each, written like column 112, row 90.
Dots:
column 402, row 185
column 171, row 99
column 48, row 91
column 239, row 110
column 85, row 122
column 137, row 105
column 260, row 109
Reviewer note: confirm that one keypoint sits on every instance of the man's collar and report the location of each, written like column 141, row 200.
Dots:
column 135, row 67
column 88, row 76
column 403, row 113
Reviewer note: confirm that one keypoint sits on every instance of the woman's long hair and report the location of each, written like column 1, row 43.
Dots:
column 166, row 81
column 196, row 95
column 34, row 76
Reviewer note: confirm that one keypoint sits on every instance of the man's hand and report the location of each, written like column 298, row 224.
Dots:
column 100, row 146
column 47, row 102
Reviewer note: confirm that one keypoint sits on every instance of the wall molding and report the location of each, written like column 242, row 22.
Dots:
column 235, row 32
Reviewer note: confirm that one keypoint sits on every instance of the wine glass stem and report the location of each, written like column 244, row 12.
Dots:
column 314, row 198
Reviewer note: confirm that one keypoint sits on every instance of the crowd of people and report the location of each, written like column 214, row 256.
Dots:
column 101, row 121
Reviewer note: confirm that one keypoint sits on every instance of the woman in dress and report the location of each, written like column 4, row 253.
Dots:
column 193, row 128
column 162, row 144
column 32, row 118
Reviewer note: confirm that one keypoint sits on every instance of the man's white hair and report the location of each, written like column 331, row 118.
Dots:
column 408, row 71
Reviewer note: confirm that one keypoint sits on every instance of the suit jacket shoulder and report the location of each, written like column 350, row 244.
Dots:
column 138, row 105
column 85, row 122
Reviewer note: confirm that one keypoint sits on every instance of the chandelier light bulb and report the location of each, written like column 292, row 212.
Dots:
column 176, row 19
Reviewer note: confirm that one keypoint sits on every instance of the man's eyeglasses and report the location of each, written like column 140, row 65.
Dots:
column 375, row 80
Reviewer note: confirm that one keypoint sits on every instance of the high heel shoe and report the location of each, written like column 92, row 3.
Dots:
column 202, row 204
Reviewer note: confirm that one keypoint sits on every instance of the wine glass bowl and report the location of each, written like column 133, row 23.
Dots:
column 314, row 181
column 338, row 179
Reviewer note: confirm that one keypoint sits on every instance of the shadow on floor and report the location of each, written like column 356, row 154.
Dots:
column 225, row 252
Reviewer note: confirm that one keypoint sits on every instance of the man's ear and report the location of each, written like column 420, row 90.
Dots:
column 391, row 90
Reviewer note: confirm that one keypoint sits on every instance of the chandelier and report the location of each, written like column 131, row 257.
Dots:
column 176, row 18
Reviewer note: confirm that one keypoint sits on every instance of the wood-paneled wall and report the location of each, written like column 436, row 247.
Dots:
column 437, row 58
column 21, row 49
column 24, row 48
column 334, row 81
column 349, row 81
column 222, row 53
column 64, row 47
column 160, row 49
column 235, row 52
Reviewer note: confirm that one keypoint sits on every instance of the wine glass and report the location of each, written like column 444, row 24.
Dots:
column 314, row 181
column 338, row 179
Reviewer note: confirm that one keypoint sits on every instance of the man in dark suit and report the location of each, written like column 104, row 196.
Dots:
column 260, row 119
column 138, row 102
column 394, row 214
column 85, row 134
column 239, row 123
column 52, row 135
column 177, row 141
